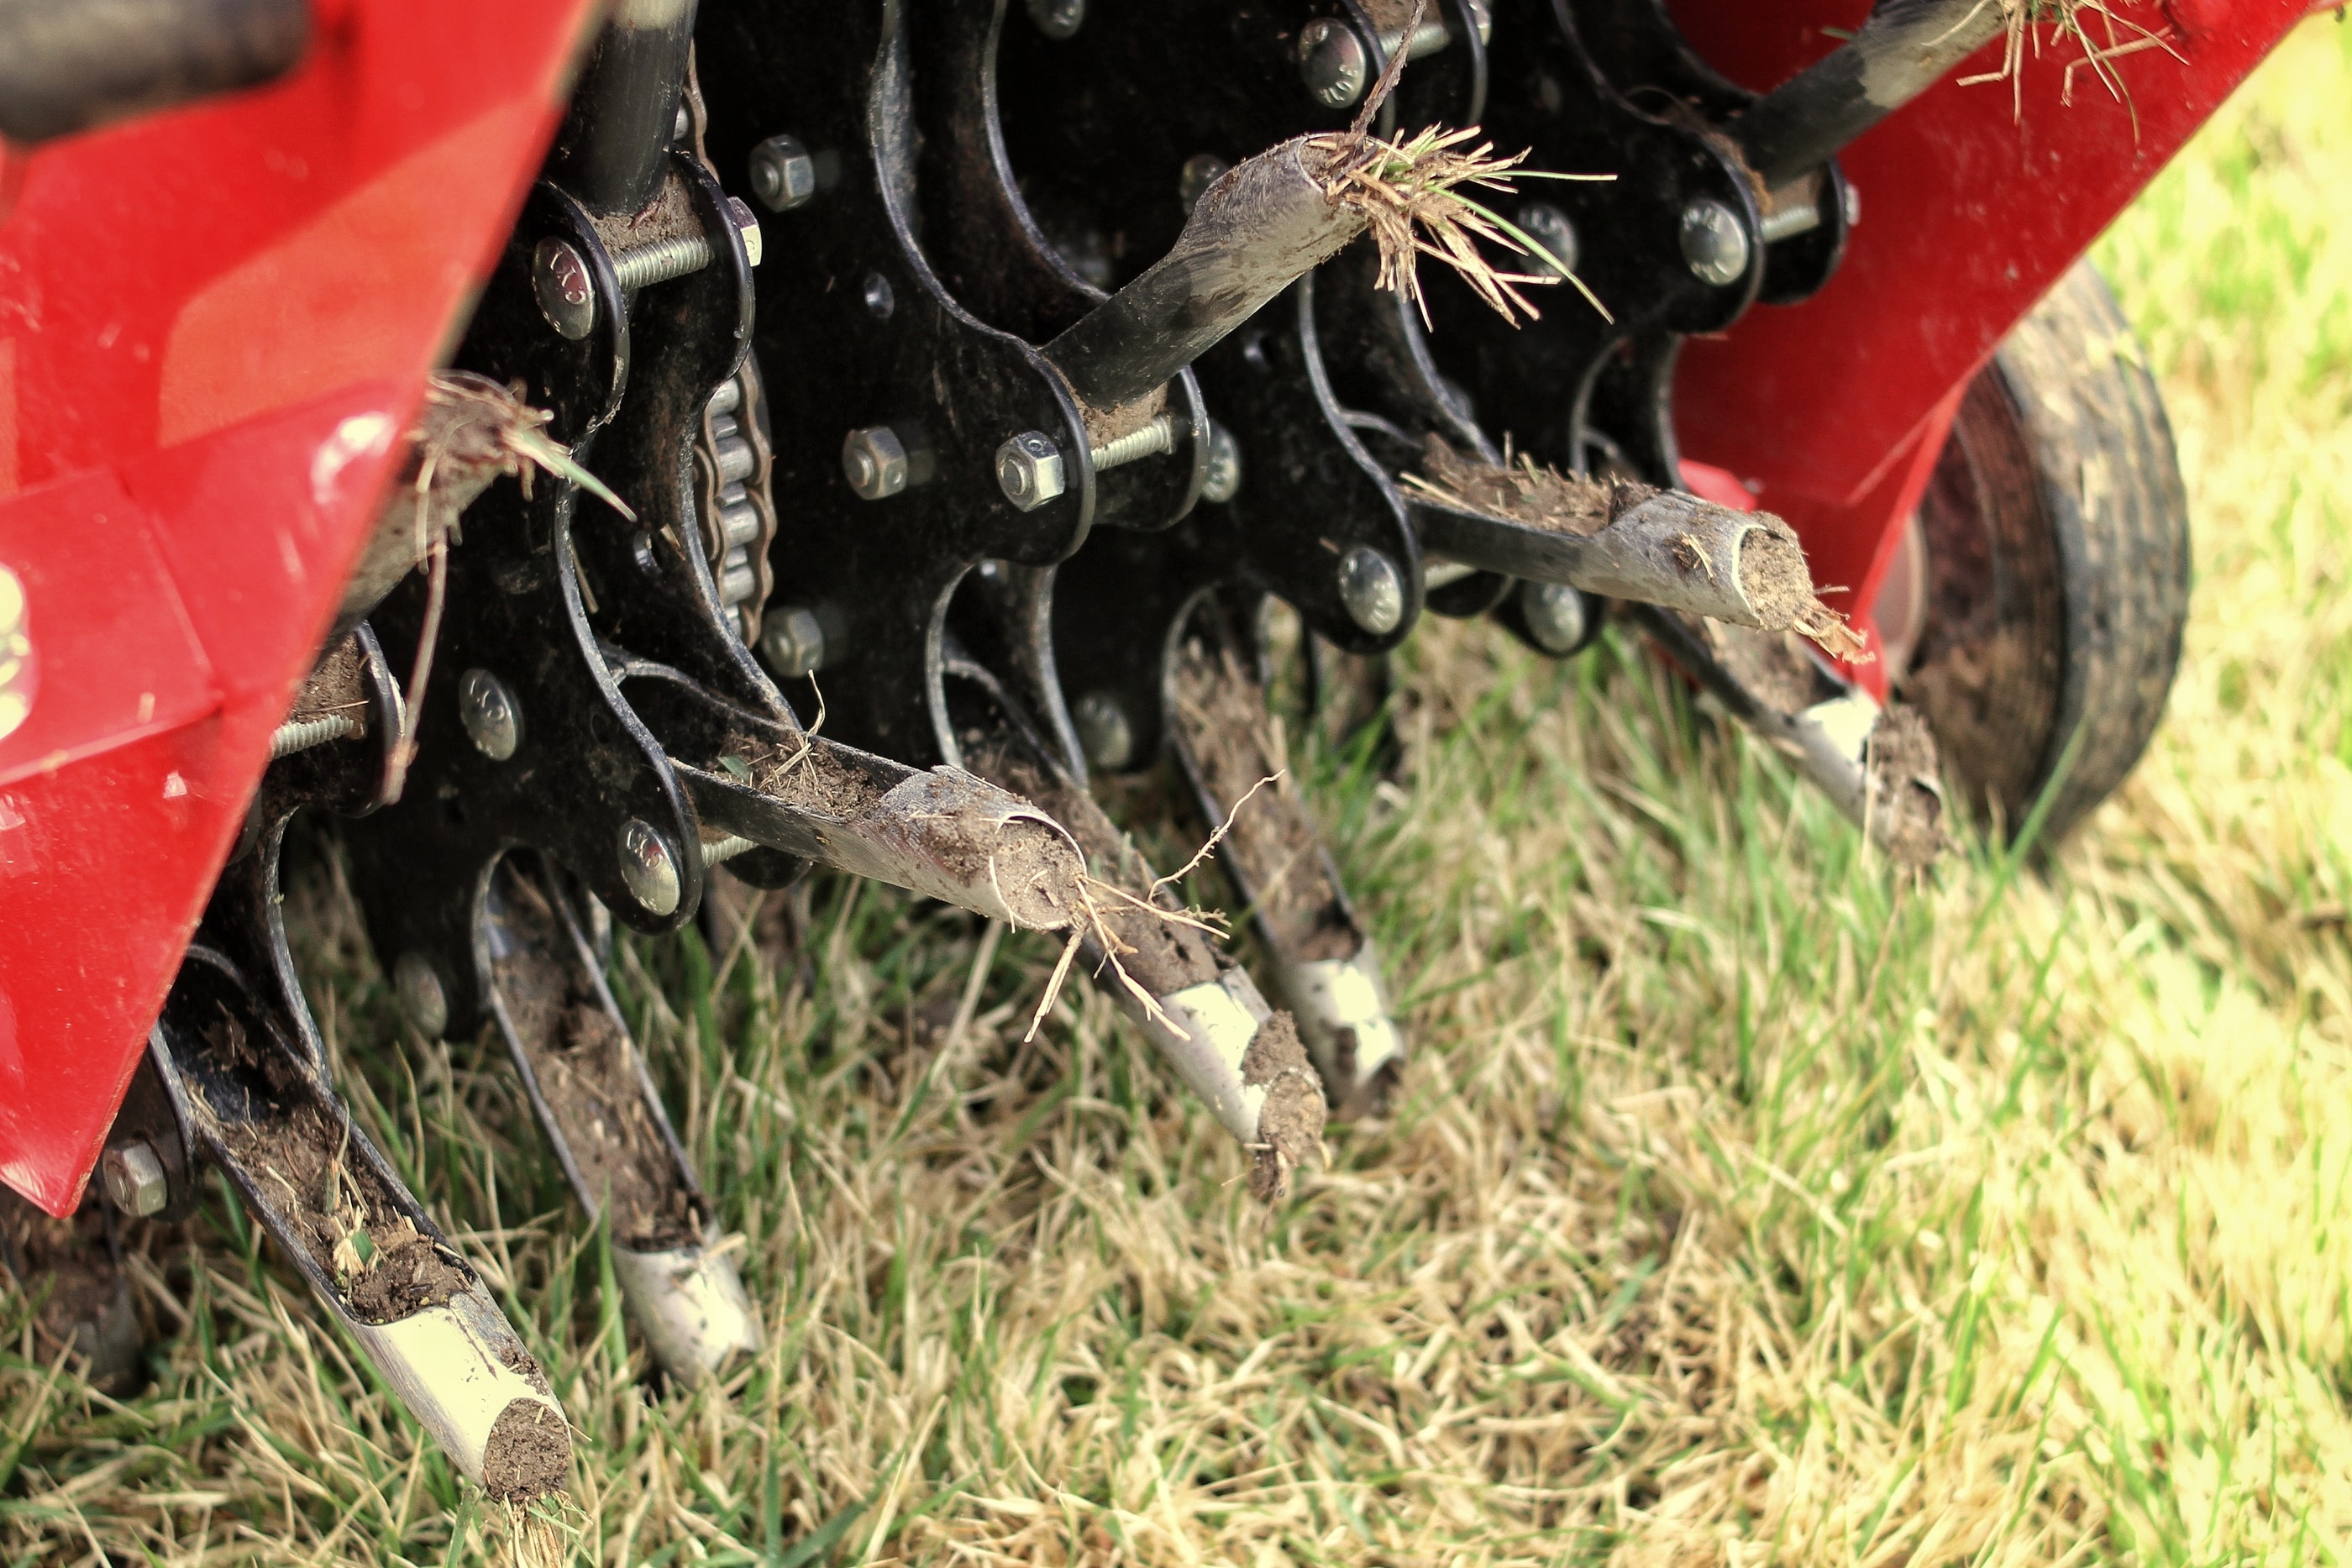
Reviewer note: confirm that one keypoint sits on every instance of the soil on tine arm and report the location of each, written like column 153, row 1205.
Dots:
column 529, row 1453
column 1534, row 496
column 1167, row 956
column 1903, row 786
column 1271, row 841
column 306, row 1166
column 1290, row 1125
column 587, row 1073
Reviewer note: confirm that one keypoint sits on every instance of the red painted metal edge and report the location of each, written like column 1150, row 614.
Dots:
column 214, row 324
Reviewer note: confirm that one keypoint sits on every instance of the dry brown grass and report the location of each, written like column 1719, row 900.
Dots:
column 1737, row 1209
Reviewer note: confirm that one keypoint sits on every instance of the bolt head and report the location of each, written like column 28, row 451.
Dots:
column 1550, row 227
column 135, row 1183
column 1333, row 62
column 1850, row 203
column 874, row 461
column 881, row 297
column 1224, row 476
column 784, row 174
column 18, row 669
column 792, row 640
column 492, row 717
column 1558, row 617
column 1715, row 243
column 1105, row 735
column 1372, row 591
column 1058, row 18
column 417, row 986
column 565, row 288
column 1029, row 470
column 648, row 866
column 1201, row 171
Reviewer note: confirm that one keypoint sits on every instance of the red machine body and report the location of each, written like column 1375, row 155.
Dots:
column 216, row 323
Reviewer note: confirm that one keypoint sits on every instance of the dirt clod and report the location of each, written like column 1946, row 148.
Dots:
column 408, row 1279
column 1527, row 494
column 1905, row 793
column 1290, row 1124
column 529, row 1453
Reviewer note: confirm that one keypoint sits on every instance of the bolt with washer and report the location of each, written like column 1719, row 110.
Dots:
column 1223, row 479
column 1715, row 242
column 1558, row 617
column 1549, row 227
column 135, row 1182
column 784, row 174
column 1371, row 590
column 492, row 717
column 1029, row 470
column 1333, row 62
column 648, row 867
column 874, row 461
column 792, row 640
column 565, row 288
column 417, row 986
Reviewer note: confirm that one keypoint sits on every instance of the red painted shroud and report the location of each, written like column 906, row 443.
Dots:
column 1975, row 200
column 213, row 322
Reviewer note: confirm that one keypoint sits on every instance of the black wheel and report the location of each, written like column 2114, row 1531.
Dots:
column 2047, row 574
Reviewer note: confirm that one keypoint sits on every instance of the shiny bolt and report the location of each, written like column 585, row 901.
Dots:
column 1104, row 732
column 1549, row 227
column 1029, row 470
column 783, row 175
column 1715, row 242
column 418, row 987
column 880, row 299
column 135, row 1181
column 1058, row 18
column 1556, row 614
column 492, row 717
column 1333, row 62
column 648, row 867
column 792, row 639
column 1850, row 203
column 1224, row 478
column 1371, row 590
column 682, row 126
column 874, row 461
column 1201, row 171
column 565, row 288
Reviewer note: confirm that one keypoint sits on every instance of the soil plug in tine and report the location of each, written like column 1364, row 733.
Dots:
column 253, row 1104
column 589, row 1088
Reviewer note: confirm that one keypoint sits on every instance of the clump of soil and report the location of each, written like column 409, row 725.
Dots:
column 334, row 688
column 304, row 1163
column 805, row 775
column 1903, row 786
column 1290, row 1124
column 528, row 1454
column 586, row 1068
column 1270, row 843
column 1769, row 664
column 1527, row 493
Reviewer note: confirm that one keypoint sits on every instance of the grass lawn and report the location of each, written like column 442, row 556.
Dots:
column 1740, row 1206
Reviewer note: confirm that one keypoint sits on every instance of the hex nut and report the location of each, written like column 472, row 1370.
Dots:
column 1715, row 242
column 1058, row 19
column 565, row 287
column 874, row 461
column 792, row 639
column 1371, row 590
column 1333, row 62
column 648, row 867
column 1550, row 227
column 135, row 1182
column 417, row 986
column 492, row 717
column 784, row 174
column 1029, row 470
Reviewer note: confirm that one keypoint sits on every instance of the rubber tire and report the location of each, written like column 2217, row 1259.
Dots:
column 2056, row 535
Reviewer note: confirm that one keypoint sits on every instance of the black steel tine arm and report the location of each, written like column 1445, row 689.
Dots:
column 588, row 1085
column 255, row 1107
column 1902, row 49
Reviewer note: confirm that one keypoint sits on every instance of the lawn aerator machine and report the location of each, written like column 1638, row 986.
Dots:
column 573, row 455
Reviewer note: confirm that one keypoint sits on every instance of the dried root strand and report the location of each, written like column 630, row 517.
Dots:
column 1412, row 195
column 2024, row 21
